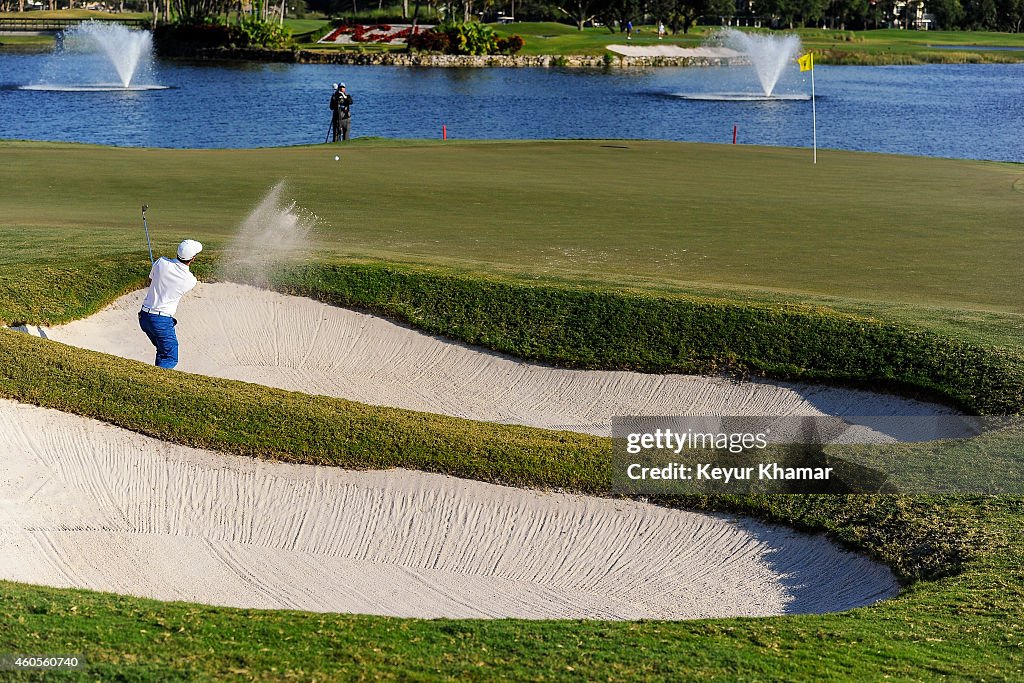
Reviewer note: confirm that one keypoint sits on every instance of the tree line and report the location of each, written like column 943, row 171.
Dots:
column 677, row 15
column 681, row 15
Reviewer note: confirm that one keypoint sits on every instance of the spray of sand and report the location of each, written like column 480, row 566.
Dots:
column 276, row 233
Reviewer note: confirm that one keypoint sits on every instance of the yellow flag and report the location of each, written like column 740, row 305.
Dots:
column 806, row 62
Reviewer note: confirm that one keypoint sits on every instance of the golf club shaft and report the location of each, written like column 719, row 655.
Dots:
column 148, row 242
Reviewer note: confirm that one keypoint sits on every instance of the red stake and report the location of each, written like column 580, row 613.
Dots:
column 734, row 135
column 444, row 132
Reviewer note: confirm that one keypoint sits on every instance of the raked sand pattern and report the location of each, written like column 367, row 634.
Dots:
column 294, row 343
column 88, row 505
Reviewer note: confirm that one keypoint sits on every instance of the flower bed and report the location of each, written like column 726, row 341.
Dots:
column 372, row 33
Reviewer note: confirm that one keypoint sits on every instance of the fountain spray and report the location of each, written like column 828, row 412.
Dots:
column 98, row 56
column 769, row 54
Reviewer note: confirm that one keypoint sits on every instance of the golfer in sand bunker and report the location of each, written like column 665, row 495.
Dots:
column 169, row 281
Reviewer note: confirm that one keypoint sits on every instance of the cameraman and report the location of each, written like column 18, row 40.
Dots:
column 341, row 102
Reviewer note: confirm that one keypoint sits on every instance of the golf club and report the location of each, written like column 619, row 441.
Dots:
column 145, row 207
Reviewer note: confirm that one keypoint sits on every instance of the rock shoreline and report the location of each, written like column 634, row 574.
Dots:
column 435, row 60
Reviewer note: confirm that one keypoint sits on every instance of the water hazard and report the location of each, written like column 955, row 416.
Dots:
column 967, row 111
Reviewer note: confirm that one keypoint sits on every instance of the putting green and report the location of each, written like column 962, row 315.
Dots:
column 925, row 232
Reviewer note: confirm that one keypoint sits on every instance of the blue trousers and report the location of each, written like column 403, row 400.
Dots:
column 160, row 330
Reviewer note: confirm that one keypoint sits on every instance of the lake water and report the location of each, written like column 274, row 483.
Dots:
column 967, row 111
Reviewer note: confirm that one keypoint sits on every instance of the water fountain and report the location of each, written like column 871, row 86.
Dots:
column 98, row 56
column 768, row 54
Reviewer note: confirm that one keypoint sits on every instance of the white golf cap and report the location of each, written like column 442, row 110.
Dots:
column 188, row 249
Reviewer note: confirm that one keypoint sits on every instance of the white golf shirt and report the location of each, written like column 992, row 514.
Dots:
column 171, row 281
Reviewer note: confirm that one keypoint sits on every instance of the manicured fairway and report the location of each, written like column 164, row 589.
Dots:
column 861, row 230
column 879, row 46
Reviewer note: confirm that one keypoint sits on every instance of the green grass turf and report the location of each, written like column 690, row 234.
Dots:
column 566, row 212
column 895, row 39
column 26, row 43
column 300, row 26
column 928, row 240
column 74, row 14
column 890, row 46
column 884, row 46
column 875, row 47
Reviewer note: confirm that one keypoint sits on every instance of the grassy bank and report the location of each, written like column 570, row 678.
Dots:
column 859, row 48
column 26, row 43
column 875, row 47
column 595, row 328
column 648, row 255
column 75, row 14
column 893, row 46
column 869, row 48
column 959, row 618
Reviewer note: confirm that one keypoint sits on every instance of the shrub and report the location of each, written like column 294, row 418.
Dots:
column 251, row 32
column 510, row 45
column 428, row 41
column 469, row 38
column 212, row 33
column 179, row 35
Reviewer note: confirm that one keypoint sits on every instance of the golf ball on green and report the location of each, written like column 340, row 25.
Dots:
column 337, row 158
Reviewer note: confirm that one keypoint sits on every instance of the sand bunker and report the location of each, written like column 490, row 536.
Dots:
column 298, row 344
column 88, row 505
column 704, row 52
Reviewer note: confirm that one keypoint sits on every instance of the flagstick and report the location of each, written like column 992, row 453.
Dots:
column 814, row 114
